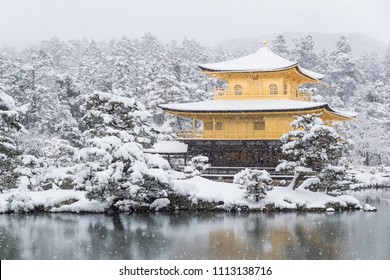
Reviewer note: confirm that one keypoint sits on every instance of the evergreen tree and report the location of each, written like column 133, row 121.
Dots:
column 386, row 64
column 311, row 148
column 166, row 89
column 61, row 53
column 196, row 166
column 93, row 73
column 9, row 126
column 114, row 168
column 256, row 183
column 304, row 54
column 279, row 46
column 343, row 72
column 124, row 73
column 370, row 68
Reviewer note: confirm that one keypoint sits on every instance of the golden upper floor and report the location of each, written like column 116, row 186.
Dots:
column 261, row 76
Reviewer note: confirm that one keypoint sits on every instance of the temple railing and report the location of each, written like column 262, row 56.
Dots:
column 220, row 91
column 223, row 93
column 189, row 134
column 228, row 135
column 307, row 96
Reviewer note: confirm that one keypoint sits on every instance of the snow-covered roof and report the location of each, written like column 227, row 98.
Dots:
column 168, row 147
column 231, row 106
column 264, row 60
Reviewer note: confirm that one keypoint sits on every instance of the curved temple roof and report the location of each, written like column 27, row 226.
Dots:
column 234, row 106
column 264, row 60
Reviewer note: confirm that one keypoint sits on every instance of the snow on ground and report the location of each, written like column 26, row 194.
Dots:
column 196, row 188
column 369, row 208
column 371, row 178
column 201, row 188
column 210, row 191
column 25, row 201
column 168, row 147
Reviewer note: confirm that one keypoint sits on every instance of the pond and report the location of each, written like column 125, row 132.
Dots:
column 346, row 235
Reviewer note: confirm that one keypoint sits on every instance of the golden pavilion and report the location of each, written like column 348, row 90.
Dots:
column 242, row 125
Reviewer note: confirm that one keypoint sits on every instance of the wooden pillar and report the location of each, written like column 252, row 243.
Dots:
column 193, row 128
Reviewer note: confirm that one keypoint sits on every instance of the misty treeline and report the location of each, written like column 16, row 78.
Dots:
column 47, row 94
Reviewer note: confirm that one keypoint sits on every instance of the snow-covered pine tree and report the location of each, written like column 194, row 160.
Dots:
column 124, row 74
column 114, row 168
column 370, row 130
column 9, row 126
column 183, row 61
column 196, row 166
column 125, row 118
column 29, row 172
column 152, row 60
column 311, row 148
column 304, row 52
column 279, row 46
column 93, row 73
column 165, row 89
column 62, row 55
column 343, row 73
column 370, row 67
column 386, row 64
column 256, row 183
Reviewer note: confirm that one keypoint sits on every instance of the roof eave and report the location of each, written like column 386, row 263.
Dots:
column 296, row 66
column 205, row 69
column 241, row 111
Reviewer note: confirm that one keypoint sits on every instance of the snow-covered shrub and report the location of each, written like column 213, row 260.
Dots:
column 333, row 178
column 312, row 184
column 28, row 172
column 156, row 161
column 54, row 169
column 196, row 166
column 19, row 203
column 256, row 183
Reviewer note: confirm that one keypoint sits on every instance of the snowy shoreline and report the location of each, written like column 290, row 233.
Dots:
column 196, row 194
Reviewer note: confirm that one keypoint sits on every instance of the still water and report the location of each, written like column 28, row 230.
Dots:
column 352, row 235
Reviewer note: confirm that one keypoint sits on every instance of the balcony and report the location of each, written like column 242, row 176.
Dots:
column 306, row 96
column 228, row 135
column 189, row 134
column 220, row 92
column 223, row 93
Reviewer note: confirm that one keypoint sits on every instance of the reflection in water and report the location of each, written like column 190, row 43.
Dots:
column 355, row 235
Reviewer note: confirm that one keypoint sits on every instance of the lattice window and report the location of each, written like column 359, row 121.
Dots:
column 273, row 89
column 259, row 124
column 284, row 89
column 237, row 90
column 208, row 125
column 218, row 126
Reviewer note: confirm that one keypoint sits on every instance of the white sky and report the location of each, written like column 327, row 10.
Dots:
column 208, row 21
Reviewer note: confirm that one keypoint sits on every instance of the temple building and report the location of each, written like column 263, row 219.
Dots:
column 242, row 125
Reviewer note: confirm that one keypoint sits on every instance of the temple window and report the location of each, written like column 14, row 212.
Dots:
column 237, row 90
column 259, row 124
column 273, row 89
column 218, row 126
column 208, row 125
column 284, row 89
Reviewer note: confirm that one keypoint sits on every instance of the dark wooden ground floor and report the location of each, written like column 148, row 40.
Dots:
column 237, row 153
